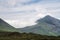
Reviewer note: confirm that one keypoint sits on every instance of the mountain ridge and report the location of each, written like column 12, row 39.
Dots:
column 4, row 26
column 45, row 26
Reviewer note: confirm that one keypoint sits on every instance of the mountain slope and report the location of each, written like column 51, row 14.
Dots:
column 6, row 27
column 45, row 26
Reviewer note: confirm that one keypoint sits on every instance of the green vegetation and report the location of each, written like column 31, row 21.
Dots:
column 25, row 36
column 45, row 26
column 4, row 26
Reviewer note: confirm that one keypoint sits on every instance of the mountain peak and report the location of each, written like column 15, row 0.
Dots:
column 48, row 19
column 48, row 16
column 45, row 26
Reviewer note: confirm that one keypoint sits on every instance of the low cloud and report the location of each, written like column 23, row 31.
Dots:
column 21, row 13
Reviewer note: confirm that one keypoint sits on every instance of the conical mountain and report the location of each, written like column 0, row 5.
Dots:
column 4, row 26
column 50, row 20
column 45, row 26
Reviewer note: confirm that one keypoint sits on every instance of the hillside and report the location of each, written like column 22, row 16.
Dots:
column 4, row 26
column 46, row 26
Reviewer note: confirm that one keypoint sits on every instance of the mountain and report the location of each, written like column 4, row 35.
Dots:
column 45, row 26
column 4, row 26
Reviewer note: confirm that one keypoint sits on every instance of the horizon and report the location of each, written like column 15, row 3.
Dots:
column 35, row 21
column 22, row 13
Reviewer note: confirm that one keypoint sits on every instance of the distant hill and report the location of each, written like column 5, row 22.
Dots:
column 45, row 26
column 4, row 26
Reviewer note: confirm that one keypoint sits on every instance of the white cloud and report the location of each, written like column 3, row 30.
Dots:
column 19, row 15
column 20, row 23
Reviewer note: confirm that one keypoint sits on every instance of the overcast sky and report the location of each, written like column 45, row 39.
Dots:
column 21, row 13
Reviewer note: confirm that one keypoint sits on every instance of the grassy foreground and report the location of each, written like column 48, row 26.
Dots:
column 25, row 36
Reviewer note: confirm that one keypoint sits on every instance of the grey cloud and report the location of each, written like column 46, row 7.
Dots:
column 18, row 15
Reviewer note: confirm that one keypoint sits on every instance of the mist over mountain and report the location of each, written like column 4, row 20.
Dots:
column 4, row 26
column 45, row 26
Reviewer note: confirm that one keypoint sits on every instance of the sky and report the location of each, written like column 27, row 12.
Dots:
column 22, row 13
